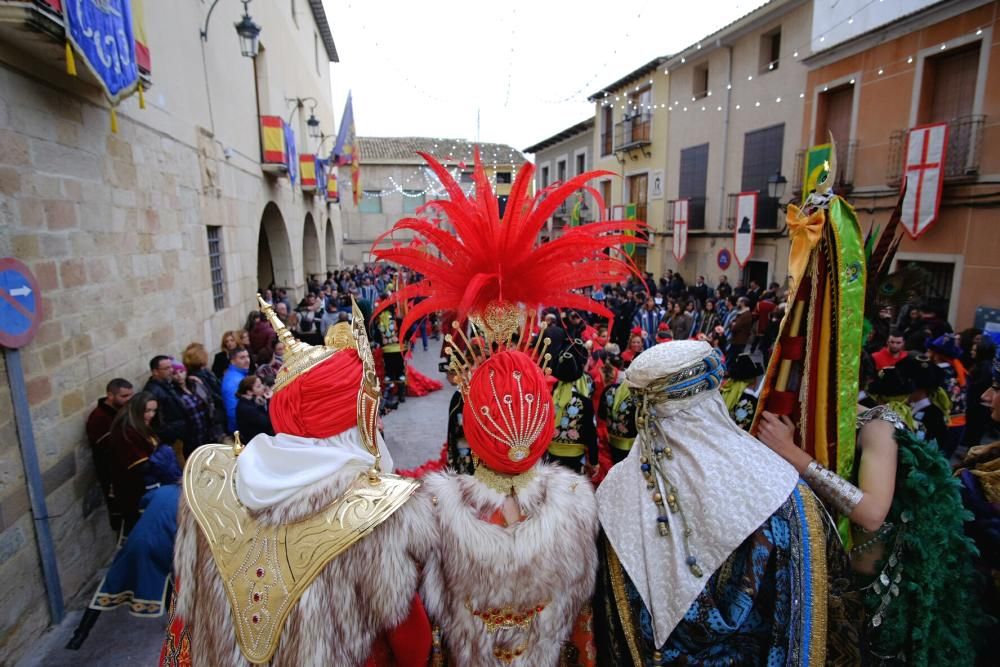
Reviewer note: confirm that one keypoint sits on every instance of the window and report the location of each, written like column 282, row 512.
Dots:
column 606, row 194
column 699, row 82
column 949, row 84
column 607, row 122
column 770, row 51
column 561, row 170
column 947, row 95
column 215, row 265
column 545, row 176
column 761, row 160
column 316, row 52
column 833, row 114
column 581, row 163
column 370, row 202
column 412, row 200
column 466, row 177
column 504, row 177
column 693, row 182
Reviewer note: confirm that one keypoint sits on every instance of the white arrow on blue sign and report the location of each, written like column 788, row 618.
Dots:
column 20, row 304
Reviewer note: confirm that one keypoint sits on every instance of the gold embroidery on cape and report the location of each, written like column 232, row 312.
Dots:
column 628, row 623
column 265, row 569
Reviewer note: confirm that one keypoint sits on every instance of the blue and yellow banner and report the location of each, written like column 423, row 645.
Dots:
column 100, row 31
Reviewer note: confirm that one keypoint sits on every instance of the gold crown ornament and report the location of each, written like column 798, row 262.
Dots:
column 299, row 357
column 501, row 326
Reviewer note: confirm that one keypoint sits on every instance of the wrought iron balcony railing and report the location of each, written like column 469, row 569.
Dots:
column 633, row 132
column 965, row 143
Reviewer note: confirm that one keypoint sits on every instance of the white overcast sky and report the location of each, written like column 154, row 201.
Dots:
column 527, row 67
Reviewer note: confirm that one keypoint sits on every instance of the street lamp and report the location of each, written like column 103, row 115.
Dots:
column 246, row 29
column 249, row 33
column 776, row 185
column 312, row 125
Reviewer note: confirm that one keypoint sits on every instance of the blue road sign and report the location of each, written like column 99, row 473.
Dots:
column 724, row 259
column 20, row 304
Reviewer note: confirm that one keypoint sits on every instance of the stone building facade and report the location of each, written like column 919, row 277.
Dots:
column 562, row 156
column 122, row 231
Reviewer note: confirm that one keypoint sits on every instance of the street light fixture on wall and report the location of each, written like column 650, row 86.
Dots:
column 248, row 31
column 312, row 123
column 776, row 185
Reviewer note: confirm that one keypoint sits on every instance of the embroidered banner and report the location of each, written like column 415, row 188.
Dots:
column 101, row 32
column 817, row 162
column 680, row 229
column 746, row 226
column 925, row 155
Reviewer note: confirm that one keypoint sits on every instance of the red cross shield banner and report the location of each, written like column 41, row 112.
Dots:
column 926, row 146
column 680, row 229
column 746, row 226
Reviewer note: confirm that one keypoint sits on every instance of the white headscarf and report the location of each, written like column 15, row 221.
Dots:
column 274, row 468
column 728, row 483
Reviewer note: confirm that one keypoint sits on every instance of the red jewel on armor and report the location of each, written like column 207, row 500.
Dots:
column 256, row 597
column 255, row 618
column 260, row 572
column 539, row 608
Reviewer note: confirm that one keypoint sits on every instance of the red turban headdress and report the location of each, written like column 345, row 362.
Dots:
column 508, row 415
column 321, row 402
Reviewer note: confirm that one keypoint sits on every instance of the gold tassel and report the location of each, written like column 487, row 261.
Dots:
column 70, row 60
column 114, row 121
column 142, row 98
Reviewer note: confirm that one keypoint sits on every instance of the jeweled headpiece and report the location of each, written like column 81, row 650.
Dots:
column 299, row 357
column 495, row 274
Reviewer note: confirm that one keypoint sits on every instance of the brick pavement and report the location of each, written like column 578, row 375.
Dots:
column 414, row 433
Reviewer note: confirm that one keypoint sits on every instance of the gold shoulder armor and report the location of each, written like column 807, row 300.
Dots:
column 264, row 568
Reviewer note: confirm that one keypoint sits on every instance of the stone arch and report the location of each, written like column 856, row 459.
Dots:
column 274, row 251
column 332, row 260
column 312, row 262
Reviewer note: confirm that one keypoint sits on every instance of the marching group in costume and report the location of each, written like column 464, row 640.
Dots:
column 760, row 518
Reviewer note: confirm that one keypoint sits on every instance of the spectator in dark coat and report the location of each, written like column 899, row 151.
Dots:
column 741, row 328
column 252, row 418
column 119, row 391
column 221, row 361
column 171, row 423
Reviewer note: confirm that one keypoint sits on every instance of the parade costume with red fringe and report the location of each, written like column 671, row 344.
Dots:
column 513, row 558
column 297, row 549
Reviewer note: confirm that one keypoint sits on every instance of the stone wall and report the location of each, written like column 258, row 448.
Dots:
column 114, row 228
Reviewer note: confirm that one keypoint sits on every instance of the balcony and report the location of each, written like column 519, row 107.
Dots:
column 767, row 212
column 696, row 213
column 37, row 29
column 633, row 134
column 965, row 143
column 844, row 182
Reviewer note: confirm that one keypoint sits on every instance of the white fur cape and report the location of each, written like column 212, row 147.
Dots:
column 362, row 592
column 549, row 559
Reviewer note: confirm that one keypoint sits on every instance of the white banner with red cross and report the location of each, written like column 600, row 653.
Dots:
column 746, row 226
column 926, row 148
column 680, row 229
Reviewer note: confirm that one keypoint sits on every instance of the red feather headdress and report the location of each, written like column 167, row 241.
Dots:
column 495, row 273
column 493, row 261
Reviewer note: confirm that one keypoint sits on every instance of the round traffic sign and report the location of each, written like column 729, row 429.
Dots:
column 20, row 304
column 725, row 259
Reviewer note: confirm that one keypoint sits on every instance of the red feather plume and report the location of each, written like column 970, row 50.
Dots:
column 490, row 259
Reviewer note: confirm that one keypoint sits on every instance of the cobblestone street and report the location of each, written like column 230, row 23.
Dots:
column 414, row 433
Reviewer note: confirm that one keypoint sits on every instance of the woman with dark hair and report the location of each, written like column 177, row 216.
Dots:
column 709, row 317
column 199, row 411
column 146, row 482
column 252, row 418
column 980, row 378
column 221, row 361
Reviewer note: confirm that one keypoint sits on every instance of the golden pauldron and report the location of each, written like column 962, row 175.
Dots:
column 264, row 568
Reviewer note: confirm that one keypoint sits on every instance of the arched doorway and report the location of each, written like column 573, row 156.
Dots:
column 332, row 260
column 311, row 261
column 274, row 251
